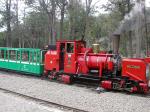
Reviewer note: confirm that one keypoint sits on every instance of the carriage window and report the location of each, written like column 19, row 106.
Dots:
column 25, row 55
column 35, row 56
column 12, row 54
column 2, row 54
column 70, row 47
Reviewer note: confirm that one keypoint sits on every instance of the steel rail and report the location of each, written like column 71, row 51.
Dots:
column 79, row 84
column 41, row 101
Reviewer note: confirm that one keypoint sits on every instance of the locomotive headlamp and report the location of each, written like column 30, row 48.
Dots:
column 148, row 72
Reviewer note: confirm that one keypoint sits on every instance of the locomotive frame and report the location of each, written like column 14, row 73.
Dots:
column 72, row 60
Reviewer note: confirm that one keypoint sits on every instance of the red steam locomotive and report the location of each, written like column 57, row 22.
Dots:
column 71, row 60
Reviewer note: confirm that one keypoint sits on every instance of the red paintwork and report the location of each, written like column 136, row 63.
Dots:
column 135, row 69
column 106, row 84
column 51, row 60
column 66, row 79
column 70, row 61
column 144, row 87
column 94, row 61
column 133, row 89
column 110, row 66
column 147, row 60
column 81, row 60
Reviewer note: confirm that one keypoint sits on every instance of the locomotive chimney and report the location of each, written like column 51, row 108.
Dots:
column 115, row 43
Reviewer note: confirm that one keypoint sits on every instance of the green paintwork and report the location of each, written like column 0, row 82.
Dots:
column 26, row 60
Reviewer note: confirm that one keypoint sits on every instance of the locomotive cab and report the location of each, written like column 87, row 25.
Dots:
column 63, row 58
column 71, row 55
column 62, row 53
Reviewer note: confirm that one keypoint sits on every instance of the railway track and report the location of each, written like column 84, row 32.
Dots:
column 42, row 102
column 92, row 88
column 79, row 84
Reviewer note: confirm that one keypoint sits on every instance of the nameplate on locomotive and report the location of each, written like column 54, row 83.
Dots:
column 133, row 66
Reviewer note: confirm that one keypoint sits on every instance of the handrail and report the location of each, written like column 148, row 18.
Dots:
column 33, row 55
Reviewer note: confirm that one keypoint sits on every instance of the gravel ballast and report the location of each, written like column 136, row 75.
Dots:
column 73, row 96
column 11, row 103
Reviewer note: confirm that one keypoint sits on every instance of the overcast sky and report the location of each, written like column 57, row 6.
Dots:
column 98, row 3
column 148, row 3
column 105, row 1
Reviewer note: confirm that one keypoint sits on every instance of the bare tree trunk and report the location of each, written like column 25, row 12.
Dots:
column 53, row 13
column 130, row 32
column 138, row 37
column 17, row 24
column 130, row 44
column 23, row 43
column 51, row 29
column 22, row 39
column 146, row 33
column 62, row 6
column 51, row 19
column 62, row 21
column 139, row 31
column 71, row 27
column 71, row 2
column 125, row 44
column 8, row 22
column 87, row 12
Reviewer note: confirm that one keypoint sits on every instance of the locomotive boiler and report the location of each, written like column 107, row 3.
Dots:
column 71, row 60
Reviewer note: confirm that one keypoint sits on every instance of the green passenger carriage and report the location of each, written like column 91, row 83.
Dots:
column 25, row 60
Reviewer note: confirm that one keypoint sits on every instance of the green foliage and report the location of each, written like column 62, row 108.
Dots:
column 2, row 39
column 119, row 6
column 35, row 27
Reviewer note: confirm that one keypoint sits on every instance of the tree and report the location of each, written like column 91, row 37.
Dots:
column 120, row 8
column 8, row 22
column 129, row 7
column 49, row 7
column 35, row 31
column 18, row 36
column 62, row 6
column 87, row 12
column 72, row 12
column 6, row 19
column 76, row 20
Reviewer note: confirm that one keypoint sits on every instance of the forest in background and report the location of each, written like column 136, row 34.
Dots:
column 45, row 21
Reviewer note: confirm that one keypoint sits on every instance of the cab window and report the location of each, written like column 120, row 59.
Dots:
column 70, row 47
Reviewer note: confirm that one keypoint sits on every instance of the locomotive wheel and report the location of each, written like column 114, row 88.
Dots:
column 52, row 75
column 45, row 74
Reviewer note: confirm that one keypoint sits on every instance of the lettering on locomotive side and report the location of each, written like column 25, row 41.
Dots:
column 133, row 66
column 68, row 66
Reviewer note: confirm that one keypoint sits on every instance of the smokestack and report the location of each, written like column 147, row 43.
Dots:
column 115, row 42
